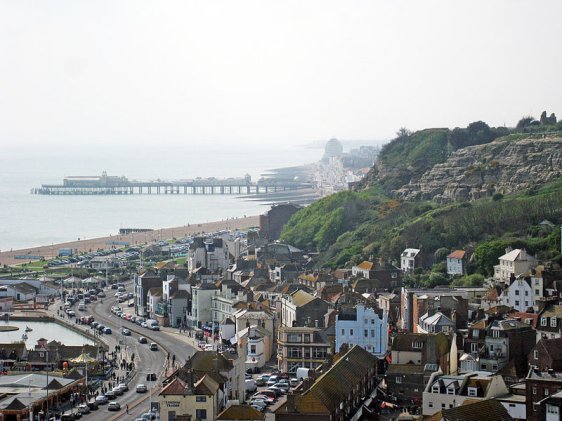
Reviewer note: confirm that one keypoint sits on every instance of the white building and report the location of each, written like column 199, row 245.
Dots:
column 201, row 308
column 410, row 260
column 456, row 263
column 519, row 295
column 364, row 327
column 223, row 302
column 210, row 253
column 448, row 391
column 513, row 263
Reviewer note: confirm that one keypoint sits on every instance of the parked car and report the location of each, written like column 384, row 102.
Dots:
column 110, row 395
column 93, row 405
column 283, row 386
column 262, row 380
column 293, row 382
column 107, row 331
column 123, row 387
column 117, row 391
column 113, row 406
column 141, row 388
column 83, row 409
column 102, row 400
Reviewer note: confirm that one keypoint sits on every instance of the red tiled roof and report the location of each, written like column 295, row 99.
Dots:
column 457, row 254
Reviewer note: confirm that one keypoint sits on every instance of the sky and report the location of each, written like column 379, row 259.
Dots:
column 270, row 72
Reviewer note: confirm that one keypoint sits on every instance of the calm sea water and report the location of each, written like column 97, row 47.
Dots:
column 48, row 330
column 28, row 220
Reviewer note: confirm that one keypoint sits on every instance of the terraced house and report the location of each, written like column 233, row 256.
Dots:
column 337, row 394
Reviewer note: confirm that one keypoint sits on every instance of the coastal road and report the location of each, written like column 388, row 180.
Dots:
column 146, row 361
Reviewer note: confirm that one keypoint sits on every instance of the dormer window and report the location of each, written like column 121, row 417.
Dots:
column 543, row 321
column 435, row 388
column 472, row 391
column 450, row 390
column 553, row 322
column 416, row 345
column 495, row 333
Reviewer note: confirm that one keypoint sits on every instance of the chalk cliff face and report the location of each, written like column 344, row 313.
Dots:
column 503, row 166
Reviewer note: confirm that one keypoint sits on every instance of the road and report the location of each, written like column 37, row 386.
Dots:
column 146, row 361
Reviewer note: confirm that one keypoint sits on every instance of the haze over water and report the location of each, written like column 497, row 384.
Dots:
column 28, row 220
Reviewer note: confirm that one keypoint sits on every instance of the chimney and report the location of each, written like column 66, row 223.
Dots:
column 291, row 403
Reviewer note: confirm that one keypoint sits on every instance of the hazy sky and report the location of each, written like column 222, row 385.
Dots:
column 271, row 71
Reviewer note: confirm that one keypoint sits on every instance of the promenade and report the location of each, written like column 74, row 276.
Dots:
column 140, row 238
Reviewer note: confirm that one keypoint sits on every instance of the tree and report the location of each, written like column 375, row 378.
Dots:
column 525, row 121
column 403, row 132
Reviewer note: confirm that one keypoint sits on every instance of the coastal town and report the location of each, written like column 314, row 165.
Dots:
column 235, row 324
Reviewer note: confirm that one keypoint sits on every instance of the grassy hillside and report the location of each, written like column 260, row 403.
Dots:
column 351, row 226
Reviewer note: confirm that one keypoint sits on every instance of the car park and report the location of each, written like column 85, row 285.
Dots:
column 262, row 380
column 283, row 386
column 113, row 406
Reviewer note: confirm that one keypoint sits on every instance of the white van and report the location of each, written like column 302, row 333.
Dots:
column 302, row 373
column 152, row 322
column 251, row 385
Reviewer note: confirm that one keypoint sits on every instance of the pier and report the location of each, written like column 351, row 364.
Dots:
column 111, row 185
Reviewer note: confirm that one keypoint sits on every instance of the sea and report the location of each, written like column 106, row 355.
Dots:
column 30, row 220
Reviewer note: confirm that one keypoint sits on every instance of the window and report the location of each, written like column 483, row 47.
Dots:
column 366, row 321
column 398, row 380
column 372, row 333
column 546, row 391
column 516, row 302
column 516, row 292
column 495, row 333
column 472, row 391
column 534, row 390
column 294, row 352
column 430, row 404
column 201, row 399
column 294, row 337
column 306, row 339
column 366, row 333
column 443, row 406
column 372, row 321
column 537, row 292
column 201, row 414
column 526, row 303
column 526, row 293
column 350, row 332
column 252, row 349
column 435, row 389
column 474, row 347
column 416, row 345
column 553, row 322
column 536, row 354
column 450, row 390
column 543, row 321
